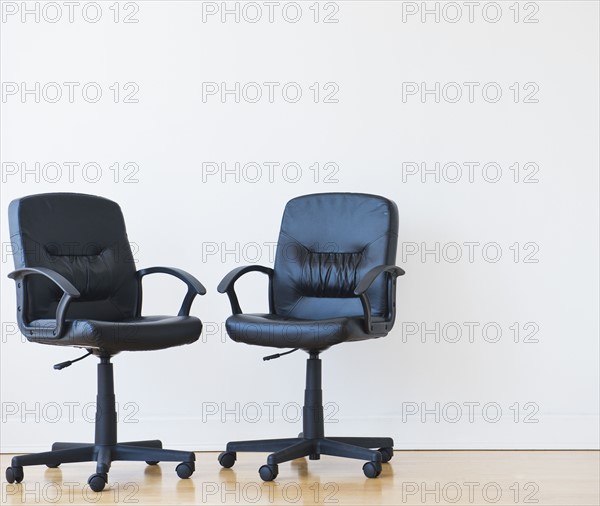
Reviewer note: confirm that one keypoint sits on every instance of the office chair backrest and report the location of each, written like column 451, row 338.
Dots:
column 83, row 238
column 327, row 242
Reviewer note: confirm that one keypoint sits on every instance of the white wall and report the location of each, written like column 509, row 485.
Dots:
column 180, row 214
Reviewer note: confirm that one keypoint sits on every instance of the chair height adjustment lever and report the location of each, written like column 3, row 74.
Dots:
column 277, row 355
column 62, row 365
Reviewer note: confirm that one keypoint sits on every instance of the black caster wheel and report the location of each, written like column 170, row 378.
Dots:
column 227, row 459
column 268, row 472
column 97, row 481
column 386, row 454
column 53, row 466
column 14, row 474
column 372, row 469
column 152, row 462
column 185, row 470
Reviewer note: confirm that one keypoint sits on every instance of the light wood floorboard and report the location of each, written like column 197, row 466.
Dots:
column 565, row 478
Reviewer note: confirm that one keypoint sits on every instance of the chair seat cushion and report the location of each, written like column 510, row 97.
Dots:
column 135, row 334
column 283, row 332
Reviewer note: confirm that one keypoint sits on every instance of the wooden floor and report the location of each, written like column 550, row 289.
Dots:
column 565, row 478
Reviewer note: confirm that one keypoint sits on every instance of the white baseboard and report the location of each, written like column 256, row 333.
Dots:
column 551, row 432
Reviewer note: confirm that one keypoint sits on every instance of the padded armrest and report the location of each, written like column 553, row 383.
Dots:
column 393, row 272
column 69, row 292
column 194, row 286
column 227, row 285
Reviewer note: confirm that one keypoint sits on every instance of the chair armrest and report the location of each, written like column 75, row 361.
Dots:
column 194, row 286
column 227, row 285
column 370, row 276
column 69, row 292
column 392, row 272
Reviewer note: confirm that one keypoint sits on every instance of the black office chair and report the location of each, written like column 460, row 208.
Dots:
column 334, row 281
column 77, row 286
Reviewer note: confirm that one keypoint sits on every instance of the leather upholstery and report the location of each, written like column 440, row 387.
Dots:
column 327, row 243
column 133, row 334
column 281, row 332
column 83, row 238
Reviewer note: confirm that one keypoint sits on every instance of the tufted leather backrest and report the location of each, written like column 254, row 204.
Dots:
column 83, row 238
column 327, row 242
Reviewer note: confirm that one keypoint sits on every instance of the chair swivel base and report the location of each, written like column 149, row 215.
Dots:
column 105, row 448
column 294, row 448
column 312, row 441
column 151, row 452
